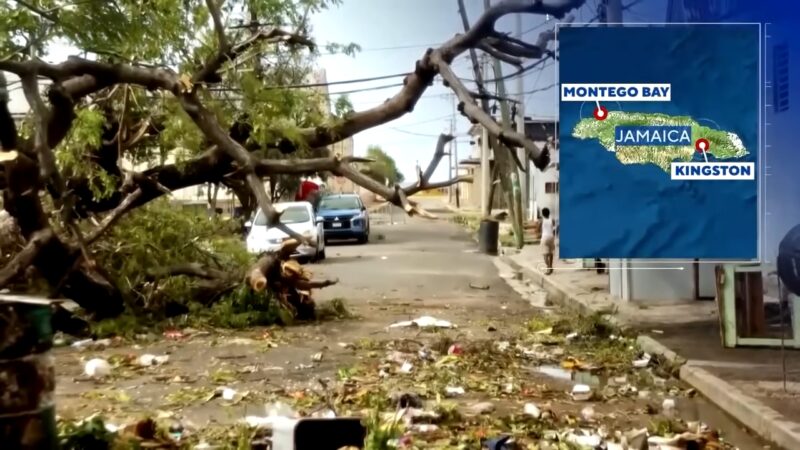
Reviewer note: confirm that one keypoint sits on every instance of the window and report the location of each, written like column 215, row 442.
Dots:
column 338, row 203
column 292, row 214
column 551, row 187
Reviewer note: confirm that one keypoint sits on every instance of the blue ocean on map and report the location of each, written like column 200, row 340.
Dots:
column 612, row 210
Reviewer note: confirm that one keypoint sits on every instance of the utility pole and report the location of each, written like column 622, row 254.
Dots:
column 524, row 175
column 454, row 144
column 450, row 162
column 486, row 179
column 613, row 11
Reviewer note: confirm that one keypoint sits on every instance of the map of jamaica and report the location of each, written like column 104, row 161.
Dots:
column 658, row 132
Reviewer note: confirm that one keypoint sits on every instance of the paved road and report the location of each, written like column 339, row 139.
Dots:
column 419, row 259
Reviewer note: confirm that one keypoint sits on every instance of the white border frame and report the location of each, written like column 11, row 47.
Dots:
column 760, row 154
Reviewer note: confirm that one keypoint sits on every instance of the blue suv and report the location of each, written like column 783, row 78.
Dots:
column 343, row 216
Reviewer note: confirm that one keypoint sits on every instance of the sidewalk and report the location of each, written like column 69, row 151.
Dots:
column 746, row 383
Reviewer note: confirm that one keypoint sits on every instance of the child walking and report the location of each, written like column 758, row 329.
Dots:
column 548, row 239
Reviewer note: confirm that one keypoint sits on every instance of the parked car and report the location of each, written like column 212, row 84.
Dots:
column 344, row 216
column 299, row 217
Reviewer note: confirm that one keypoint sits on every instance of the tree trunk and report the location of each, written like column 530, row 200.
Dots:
column 58, row 262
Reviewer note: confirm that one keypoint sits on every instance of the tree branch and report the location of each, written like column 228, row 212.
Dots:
column 189, row 269
column 494, row 52
column 47, row 160
column 469, row 108
column 438, row 154
column 207, row 123
column 114, row 216
column 8, row 129
column 25, row 257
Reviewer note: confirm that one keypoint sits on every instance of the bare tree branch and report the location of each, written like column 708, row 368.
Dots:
column 494, row 52
column 208, row 123
column 114, row 216
column 469, row 108
column 25, row 257
column 47, row 160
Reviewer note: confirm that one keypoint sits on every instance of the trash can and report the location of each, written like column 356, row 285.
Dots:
column 488, row 236
column 27, row 375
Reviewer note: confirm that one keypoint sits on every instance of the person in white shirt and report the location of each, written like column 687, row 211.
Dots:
column 548, row 239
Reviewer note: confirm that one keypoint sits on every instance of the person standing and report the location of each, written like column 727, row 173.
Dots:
column 548, row 239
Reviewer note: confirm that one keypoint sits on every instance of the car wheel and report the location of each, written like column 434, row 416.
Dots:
column 321, row 255
column 363, row 239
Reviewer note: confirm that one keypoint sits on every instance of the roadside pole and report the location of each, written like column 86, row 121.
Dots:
column 450, row 156
column 525, row 176
column 485, row 172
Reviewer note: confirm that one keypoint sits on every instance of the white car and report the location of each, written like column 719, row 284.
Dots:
column 299, row 217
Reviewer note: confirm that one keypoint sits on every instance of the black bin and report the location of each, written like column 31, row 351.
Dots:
column 488, row 235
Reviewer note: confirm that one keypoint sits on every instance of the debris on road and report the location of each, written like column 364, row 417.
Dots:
column 148, row 359
column 97, row 368
column 424, row 322
column 482, row 287
column 581, row 392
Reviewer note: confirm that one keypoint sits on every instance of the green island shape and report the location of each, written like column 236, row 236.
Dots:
column 722, row 144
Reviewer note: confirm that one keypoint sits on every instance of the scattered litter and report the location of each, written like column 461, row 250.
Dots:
column 585, row 440
column 501, row 443
column 406, row 400
column 152, row 360
column 97, row 368
column 657, row 331
column 407, row 367
column 424, row 322
column 532, row 410
column 174, row 334
column 454, row 391
column 347, row 345
column 482, row 287
column 668, row 406
column 91, row 343
column 642, row 362
column 228, row 394
column 455, row 349
column 588, row 414
column 581, row 392
column 503, row 345
column 241, row 341
column 425, row 427
column 546, row 331
column 316, row 357
column 384, row 257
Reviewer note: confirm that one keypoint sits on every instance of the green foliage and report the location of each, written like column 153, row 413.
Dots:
column 383, row 169
column 244, row 308
column 161, row 235
column 91, row 433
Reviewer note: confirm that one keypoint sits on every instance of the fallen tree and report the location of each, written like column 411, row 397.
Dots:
column 157, row 82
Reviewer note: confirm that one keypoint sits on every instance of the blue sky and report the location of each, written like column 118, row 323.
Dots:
column 380, row 26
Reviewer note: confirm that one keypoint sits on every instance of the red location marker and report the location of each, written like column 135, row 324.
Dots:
column 702, row 145
column 600, row 113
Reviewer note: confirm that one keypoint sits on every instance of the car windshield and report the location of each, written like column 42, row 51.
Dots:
column 292, row 214
column 333, row 203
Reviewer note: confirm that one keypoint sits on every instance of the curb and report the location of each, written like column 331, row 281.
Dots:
column 556, row 293
column 755, row 415
column 762, row 419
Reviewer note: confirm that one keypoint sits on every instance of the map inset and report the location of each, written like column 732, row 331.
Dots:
column 658, row 131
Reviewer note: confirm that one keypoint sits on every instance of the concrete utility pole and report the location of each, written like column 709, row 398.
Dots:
column 613, row 11
column 454, row 146
column 524, row 176
column 450, row 160
column 486, row 177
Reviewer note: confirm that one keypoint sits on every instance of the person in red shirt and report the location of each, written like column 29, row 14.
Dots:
column 305, row 190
